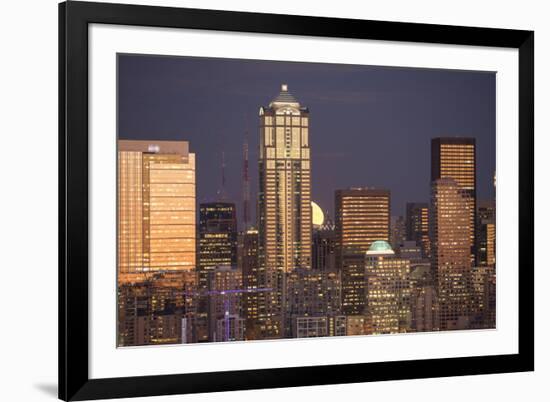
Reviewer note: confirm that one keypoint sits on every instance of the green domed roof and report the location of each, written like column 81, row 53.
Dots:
column 380, row 247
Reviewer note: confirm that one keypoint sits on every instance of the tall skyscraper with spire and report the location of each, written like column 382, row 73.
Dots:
column 284, row 204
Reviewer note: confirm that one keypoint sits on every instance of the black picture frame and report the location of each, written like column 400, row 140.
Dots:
column 74, row 381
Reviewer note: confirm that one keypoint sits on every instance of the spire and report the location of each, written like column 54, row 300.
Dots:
column 223, row 171
column 329, row 223
column 245, row 178
column 222, row 194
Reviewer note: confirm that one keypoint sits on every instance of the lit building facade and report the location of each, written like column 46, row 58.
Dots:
column 362, row 217
column 455, row 158
column 357, row 325
column 156, row 208
column 151, row 310
column 451, row 258
column 417, row 226
column 284, row 203
column 388, row 290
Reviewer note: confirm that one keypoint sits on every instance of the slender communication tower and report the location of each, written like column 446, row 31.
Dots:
column 223, row 173
column 221, row 192
column 246, row 183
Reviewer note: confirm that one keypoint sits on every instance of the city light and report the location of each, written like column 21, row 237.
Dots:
column 193, row 270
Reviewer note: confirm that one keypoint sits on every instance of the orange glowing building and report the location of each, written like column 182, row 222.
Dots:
column 450, row 262
column 156, row 208
column 455, row 158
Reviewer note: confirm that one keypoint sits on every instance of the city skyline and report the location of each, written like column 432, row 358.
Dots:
column 402, row 108
column 193, row 268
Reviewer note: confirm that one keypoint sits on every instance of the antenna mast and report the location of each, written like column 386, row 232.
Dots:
column 246, row 183
column 222, row 191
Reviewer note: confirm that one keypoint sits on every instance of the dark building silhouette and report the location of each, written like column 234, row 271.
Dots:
column 397, row 232
column 486, row 233
column 248, row 264
column 217, row 247
column 323, row 255
column 217, row 237
column 417, row 226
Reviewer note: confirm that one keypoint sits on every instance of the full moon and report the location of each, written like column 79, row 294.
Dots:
column 317, row 216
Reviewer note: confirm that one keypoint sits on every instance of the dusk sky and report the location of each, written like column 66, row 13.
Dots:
column 369, row 126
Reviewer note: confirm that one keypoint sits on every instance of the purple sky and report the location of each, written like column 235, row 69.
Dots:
column 369, row 126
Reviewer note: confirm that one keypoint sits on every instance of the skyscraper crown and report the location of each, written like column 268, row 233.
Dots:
column 284, row 98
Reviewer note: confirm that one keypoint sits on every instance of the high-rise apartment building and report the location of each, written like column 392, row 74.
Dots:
column 156, row 208
column 417, row 227
column 284, row 203
column 248, row 264
column 455, row 158
column 362, row 217
column 451, row 261
column 388, row 290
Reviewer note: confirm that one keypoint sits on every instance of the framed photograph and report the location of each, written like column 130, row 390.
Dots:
column 258, row 200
